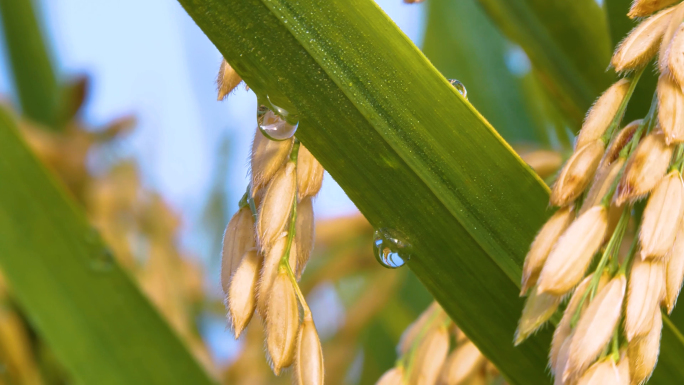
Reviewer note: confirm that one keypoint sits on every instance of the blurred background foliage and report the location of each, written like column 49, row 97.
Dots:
column 510, row 66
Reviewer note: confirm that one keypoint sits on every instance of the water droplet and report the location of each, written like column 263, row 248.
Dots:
column 390, row 248
column 459, row 87
column 275, row 122
column 102, row 261
column 273, row 126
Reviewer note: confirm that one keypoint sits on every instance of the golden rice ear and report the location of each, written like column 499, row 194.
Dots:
column 304, row 227
column 671, row 107
column 623, row 368
column 570, row 257
column 602, row 183
column 539, row 307
column 619, row 142
column 429, row 356
column 282, row 323
column 562, row 363
column 542, row 245
column 409, row 335
column 644, row 169
column 269, row 271
column 238, row 238
column 268, row 156
column 662, row 217
column 309, row 368
column 227, row 80
column 643, row 352
column 676, row 18
column 241, row 300
column 275, row 210
column 577, row 173
column 394, row 376
column 604, row 371
column 643, row 8
column 642, row 43
column 646, row 290
column 675, row 59
column 674, row 272
column 309, row 174
column 595, row 327
column 461, row 364
column 601, row 114
column 564, row 329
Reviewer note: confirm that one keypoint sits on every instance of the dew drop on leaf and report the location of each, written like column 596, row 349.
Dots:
column 459, row 87
column 276, row 123
column 390, row 248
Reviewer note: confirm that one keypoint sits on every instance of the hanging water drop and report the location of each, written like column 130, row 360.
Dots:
column 390, row 248
column 459, row 87
column 274, row 125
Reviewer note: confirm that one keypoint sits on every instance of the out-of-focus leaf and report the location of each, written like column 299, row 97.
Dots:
column 462, row 43
column 87, row 309
column 35, row 82
column 567, row 41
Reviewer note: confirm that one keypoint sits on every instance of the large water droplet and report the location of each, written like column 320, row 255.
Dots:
column 390, row 248
column 273, row 125
column 459, row 87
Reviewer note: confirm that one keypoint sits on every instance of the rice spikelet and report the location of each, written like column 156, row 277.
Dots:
column 601, row 114
column 642, row 43
column 542, row 245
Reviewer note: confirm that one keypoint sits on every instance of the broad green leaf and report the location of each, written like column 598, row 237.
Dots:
column 463, row 44
column 407, row 148
column 567, row 41
column 81, row 302
column 34, row 78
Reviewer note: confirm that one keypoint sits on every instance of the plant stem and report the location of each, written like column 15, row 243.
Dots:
column 678, row 162
column 605, row 201
column 615, row 348
column 295, row 150
column 646, row 124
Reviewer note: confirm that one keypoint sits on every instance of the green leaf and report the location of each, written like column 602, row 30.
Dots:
column 567, row 41
column 406, row 147
column 34, row 77
column 669, row 369
column 82, row 303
